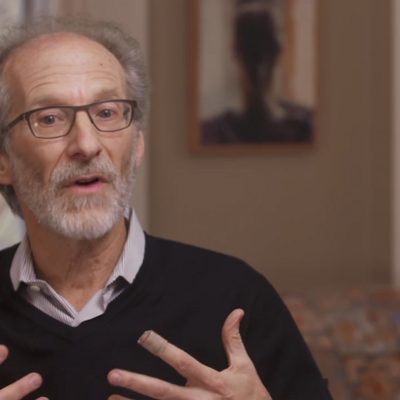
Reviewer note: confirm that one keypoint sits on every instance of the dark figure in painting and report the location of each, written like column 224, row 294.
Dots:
column 263, row 118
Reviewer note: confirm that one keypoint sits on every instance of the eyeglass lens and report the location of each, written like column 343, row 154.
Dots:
column 57, row 121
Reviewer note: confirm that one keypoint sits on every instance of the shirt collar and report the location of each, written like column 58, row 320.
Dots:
column 128, row 265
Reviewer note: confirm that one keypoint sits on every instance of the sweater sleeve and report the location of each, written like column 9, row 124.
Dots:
column 278, row 350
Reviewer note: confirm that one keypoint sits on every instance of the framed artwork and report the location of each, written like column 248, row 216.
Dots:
column 253, row 75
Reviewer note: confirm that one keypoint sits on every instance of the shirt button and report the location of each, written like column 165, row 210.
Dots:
column 34, row 288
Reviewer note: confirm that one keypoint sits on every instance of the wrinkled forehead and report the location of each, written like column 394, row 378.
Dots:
column 51, row 42
column 54, row 57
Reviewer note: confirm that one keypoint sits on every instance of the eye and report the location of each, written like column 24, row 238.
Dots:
column 106, row 113
column 48, row 120
column 49, row 117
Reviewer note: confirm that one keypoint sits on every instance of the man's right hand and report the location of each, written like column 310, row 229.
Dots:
column 19, row 389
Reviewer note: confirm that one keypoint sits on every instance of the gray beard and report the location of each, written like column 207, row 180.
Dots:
column 83, row 217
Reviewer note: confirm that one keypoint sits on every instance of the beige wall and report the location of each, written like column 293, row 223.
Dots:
column 306, row 219
column 395, row 147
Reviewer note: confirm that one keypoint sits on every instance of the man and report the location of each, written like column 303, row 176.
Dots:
column 86, row 282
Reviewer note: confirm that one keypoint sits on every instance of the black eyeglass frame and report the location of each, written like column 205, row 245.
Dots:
column 26, row 116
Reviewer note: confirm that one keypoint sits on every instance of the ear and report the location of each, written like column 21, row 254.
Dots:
column 6, row 176
column 139, row 149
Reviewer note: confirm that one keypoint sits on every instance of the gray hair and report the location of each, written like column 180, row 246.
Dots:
column 125, row 49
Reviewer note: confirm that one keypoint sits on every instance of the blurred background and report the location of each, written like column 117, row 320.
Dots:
column 322, row 222
column 306, row 219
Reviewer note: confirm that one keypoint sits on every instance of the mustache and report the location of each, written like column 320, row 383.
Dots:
column 66, row 173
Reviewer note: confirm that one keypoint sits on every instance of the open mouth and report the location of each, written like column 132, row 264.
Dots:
column 88, row 181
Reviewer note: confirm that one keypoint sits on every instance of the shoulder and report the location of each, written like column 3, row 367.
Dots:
column 182, row 253
column 191, row 262
column 204, row 279
column 222, row 128
column 296, row 111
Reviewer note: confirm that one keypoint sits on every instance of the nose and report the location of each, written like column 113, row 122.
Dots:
column 84, row 140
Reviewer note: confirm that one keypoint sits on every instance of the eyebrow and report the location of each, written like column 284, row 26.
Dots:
column 51, row 100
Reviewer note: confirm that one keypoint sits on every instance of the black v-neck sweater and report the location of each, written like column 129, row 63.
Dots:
column 182, row 292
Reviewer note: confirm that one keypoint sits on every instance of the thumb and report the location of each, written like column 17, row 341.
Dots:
column 3, row 353
column 234, row 347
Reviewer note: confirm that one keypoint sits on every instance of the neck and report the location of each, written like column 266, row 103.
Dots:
column 76, row 269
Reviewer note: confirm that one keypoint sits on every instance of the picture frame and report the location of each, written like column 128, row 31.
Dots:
column 252, row 76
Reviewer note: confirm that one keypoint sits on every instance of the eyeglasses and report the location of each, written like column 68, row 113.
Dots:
column 57, row 121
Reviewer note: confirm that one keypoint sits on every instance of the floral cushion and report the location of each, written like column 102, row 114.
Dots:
column 354, row 336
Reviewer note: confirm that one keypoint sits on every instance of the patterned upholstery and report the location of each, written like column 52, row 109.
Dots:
column 355, row 338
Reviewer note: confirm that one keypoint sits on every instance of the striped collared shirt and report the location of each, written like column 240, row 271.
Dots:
column 41, row 295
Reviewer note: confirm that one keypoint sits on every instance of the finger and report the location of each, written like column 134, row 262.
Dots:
column 3, row 353
column 182, row 362
column 149, row 386
column 153, row 342
column 22, row 387
column 234, row 347
column 3, row 357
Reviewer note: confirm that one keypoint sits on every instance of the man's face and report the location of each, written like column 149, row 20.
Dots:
column 77, row 185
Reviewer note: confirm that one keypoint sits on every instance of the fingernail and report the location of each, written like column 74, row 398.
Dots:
column 34, row 380
column 152, row 342
column 116, row 378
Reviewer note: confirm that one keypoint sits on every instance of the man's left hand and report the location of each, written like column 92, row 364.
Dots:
column 239, row 381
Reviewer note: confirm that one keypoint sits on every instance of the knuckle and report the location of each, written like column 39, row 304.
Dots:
column 182, row 366
column 217, row 383
column 162, row 392
column 228, row 395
